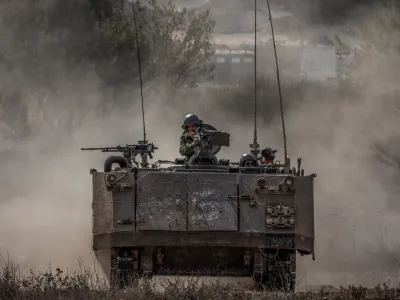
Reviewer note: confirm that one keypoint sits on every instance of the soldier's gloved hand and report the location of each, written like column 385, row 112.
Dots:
column 194, row 144
column 196, row 140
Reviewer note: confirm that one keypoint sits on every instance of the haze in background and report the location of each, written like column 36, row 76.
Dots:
column 45, row 203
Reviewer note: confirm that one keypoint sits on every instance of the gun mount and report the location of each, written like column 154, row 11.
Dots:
column 213, row 136
column 210, row 141
column 129, row 153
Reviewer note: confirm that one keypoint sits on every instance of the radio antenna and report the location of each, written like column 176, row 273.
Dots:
column 140, row 70
column 279, row 84
column 254, row 147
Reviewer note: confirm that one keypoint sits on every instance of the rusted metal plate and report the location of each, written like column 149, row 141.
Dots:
column 123, row 199
column 253, row 208
column 101, row 206
column 304, row 243
column 179, row 238
column 252, row 217
column 209, row 206
column 305, row 206
column 162, row 202
column 124, row 211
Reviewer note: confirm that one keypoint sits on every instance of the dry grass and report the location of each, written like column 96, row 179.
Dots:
column 87, row 285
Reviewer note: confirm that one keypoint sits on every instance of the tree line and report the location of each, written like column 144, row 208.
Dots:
column 45, row 44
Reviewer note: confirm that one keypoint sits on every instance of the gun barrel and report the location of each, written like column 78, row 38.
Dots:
column 137, row 148
column 91, row 149
column 105, row 149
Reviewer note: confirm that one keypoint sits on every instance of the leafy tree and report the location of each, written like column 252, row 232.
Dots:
column 45, row 45
column 180, row 44
column 173, row 44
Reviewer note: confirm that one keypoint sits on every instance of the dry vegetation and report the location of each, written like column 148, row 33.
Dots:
column 86, row 285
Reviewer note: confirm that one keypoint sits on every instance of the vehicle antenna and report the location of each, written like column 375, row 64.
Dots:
column 144, row 142
column 254, row 147
column 279, row 84
column 140, row 70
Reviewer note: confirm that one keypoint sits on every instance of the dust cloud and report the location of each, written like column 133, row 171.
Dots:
column 354, row 225
column 45, row 203
column 356, row 240
column 356, row 219
column 46, row 218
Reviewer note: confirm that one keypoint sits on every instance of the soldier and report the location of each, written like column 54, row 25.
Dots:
column 268, row 156
column 248, row 160
column 189, row 138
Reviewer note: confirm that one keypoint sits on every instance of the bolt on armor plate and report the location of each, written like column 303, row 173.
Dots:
column 280, row 216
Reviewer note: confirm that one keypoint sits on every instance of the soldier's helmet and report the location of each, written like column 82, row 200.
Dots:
column 248, row 160
column 268, row 154
column 191, row 119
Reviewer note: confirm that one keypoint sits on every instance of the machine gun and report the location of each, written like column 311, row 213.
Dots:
column 213, row 136
column 210, row 143
column 129, row 152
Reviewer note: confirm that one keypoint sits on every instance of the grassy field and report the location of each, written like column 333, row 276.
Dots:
column 86, row 285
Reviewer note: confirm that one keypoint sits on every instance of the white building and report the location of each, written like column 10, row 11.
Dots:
column 319, row 63
column 298, row 61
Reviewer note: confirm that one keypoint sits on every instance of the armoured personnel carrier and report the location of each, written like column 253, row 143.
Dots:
column 207, row 218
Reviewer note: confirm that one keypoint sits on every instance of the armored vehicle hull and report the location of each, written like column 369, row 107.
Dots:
column 203, row 220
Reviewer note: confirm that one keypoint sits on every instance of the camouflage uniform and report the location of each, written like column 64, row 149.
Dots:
column 185, row 149
column 187, row 144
